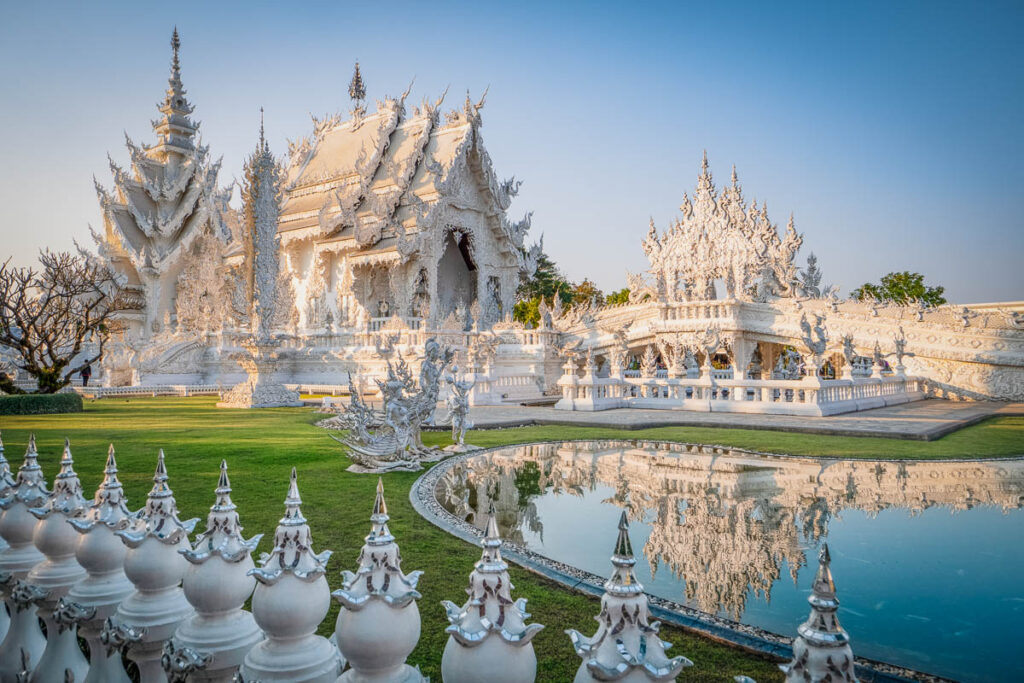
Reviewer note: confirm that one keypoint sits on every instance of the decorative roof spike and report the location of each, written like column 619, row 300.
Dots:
column 223, row 535
column 293, row 545
column 735, row 178
column 356, row 88
column 822, row 650
column 67, row 498
column 109, row 506
column 624, row 642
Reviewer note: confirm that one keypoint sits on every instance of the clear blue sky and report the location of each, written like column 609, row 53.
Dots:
column 892, row 130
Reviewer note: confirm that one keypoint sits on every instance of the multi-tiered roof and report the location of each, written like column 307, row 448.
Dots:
column 373, row 182
column 158, row 208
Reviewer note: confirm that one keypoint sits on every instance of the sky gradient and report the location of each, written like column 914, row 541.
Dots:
column 891, row 130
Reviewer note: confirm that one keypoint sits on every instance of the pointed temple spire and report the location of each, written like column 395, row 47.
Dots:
column 821, row 651
column 357, row 89
column 261, row 195
column 175, row 128
column 625, row 642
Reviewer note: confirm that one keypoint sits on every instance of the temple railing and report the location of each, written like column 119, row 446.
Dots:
column 806, row 396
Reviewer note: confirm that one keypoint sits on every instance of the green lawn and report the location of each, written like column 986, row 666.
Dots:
column 261, row 447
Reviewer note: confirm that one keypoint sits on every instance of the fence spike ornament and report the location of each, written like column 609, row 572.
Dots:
column 17, row 526
column 821, row 651
column 152, row 563
column 101, row 553
column 379, row 623
column 489, row 632
column 625, row 647
column 217, row 583
column 58, row 572
column 290, row 601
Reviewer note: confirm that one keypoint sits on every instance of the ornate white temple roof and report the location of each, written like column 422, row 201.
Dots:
column 361, row 178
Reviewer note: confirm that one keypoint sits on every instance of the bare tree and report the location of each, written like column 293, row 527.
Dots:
column 48, row 317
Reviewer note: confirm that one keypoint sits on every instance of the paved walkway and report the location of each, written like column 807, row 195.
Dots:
column 922, row 420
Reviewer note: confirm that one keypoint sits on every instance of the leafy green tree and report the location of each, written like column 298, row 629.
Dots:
column 901, row 288
column 585, row 292
column 619, row 297
column 547, row 281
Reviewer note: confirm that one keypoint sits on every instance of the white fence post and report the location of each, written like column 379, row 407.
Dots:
column 212, row 644
column 147, row 618
column 17, row 525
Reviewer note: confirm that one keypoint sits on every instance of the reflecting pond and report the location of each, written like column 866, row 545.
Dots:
column 926, row 555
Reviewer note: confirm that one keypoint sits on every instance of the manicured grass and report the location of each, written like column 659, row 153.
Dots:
column 261, row 446
column 993, row 438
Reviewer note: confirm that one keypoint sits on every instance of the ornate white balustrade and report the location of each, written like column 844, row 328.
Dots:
column 77, row 564
column 716, row 393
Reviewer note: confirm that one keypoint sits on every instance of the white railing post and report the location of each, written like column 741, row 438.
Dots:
column 52, row 578
column 95, row 598
column 211, row 645
column 16, row 560
column 379, row 622
column 290, row 601
column 147, row 618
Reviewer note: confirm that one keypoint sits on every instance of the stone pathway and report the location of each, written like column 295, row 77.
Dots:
column 923, row 420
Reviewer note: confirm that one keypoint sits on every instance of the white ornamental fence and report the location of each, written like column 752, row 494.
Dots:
column 710, row 393
column 132, row 584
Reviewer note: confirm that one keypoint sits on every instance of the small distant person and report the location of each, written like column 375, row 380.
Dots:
column 85, row 374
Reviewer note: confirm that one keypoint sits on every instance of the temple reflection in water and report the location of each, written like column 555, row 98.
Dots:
column 721, row 520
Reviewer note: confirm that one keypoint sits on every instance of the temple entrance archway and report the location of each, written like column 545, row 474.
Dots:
column 456, row 274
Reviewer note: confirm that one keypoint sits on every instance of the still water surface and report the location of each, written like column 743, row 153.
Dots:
column 927, row 557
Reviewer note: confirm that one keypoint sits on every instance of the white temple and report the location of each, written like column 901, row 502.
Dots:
column 393, row 228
